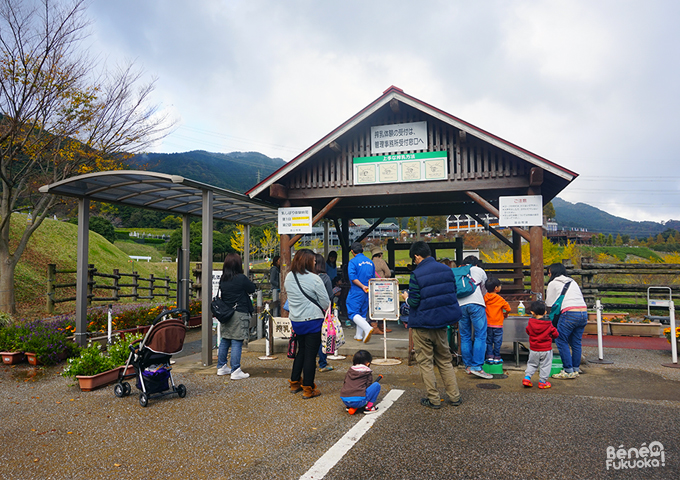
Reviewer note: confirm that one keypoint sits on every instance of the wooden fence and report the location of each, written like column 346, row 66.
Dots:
column 624, row 285
column 116, row 286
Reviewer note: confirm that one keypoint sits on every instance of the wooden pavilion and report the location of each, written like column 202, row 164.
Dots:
column 399, row 157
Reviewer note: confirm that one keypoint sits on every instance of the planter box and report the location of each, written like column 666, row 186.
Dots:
column 607, row 317
column 12, row 358
column 591, row 328
column 89, row 383
column 652, row 329
column 194, row 321
column 32, row 358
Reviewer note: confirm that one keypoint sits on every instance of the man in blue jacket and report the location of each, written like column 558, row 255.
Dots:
column 432, row 298
column 360, row 270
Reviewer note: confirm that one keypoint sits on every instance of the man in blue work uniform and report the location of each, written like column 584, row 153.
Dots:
column 360, row 270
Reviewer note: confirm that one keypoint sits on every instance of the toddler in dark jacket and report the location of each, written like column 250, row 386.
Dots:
column 541, row 334
column 359, row 390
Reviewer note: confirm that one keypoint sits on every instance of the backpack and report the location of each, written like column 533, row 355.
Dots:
column 465, row 285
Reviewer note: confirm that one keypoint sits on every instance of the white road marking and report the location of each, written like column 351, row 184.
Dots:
column 342, row 446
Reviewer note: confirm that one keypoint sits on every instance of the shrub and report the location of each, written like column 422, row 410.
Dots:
column 91, row 361
column 120, row 351
column 48, row 340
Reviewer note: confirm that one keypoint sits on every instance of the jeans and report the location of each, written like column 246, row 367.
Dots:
column 304, row 365
column 570, row 327
column 372, row 392
column 494, row 339
column 223, row 351
column 474, row 317
column 323, row 358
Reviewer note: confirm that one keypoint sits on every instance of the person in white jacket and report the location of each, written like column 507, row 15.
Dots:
column 572, row 321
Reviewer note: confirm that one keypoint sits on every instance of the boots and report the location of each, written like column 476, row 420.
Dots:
column 295, row 387
column 310, row 392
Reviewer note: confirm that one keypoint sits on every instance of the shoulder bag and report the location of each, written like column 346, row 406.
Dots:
column 221, row 310
column 556, row 308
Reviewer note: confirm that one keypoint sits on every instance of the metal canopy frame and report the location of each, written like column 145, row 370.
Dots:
column 169, row 193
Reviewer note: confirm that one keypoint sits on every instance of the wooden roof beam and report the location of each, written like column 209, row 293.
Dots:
column 493, row 211
column 276, row 190
column 322, row 213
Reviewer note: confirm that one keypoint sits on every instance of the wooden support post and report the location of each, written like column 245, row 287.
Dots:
column 285, row 267
column 517, row 258
column 152, row 287
column 536, row 254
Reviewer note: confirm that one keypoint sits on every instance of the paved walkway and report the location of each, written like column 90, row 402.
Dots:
column 255, row 429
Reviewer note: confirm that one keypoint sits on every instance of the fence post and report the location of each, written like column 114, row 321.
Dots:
column 116, row 288
column 152, row 279
column 167, row 288
column 90, row 283
column 135, row 285
column 198, row 272
column 51, row 278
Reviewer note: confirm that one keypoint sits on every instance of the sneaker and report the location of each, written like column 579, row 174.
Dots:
column 455, row 403
column 527, row 382
column 425, row 402
column 565, row 375
column 348, row 323
column 544, row 385
column 482, row 374
column 327, row 368
column 468, row 371
column 368, row 411
column 490, row 361
column 368, row 335
column 239, row 374
column 351, row 411
column 498, row 361
column 224, row 370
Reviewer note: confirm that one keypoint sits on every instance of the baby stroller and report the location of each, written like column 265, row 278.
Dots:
column 150, row 357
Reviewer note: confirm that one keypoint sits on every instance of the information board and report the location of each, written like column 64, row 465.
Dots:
column 404, row 167
column 294, row 220
column 524, row 211
column 383, row 299
column 400, row 137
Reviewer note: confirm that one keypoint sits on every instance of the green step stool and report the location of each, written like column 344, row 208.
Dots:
column 493, row 369
column 556, row 365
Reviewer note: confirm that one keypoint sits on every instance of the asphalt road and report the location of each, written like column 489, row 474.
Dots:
column 256, row 429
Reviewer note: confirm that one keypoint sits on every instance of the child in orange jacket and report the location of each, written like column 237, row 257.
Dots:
column 497, row 310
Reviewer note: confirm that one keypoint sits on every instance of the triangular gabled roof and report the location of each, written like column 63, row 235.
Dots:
column 395, row 93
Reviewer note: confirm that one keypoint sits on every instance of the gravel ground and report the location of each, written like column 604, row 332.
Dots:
column 255, row 429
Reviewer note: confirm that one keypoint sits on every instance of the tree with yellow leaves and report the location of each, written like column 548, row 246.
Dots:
column 238, row 240
column 269, row 242
column 58, row 117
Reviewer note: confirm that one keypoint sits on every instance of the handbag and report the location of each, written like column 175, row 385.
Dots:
column 221, row 310
column 556, row 308
column 292, row 345
column 328, row 335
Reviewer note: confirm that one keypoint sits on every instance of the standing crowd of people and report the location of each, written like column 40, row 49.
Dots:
column 438, row 296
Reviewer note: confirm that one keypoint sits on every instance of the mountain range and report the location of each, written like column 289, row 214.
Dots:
column 239, row 171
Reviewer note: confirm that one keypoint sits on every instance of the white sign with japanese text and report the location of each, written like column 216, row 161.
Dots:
column 383, row 298
column 400, row 137
column 525, row 211
column 294, row 220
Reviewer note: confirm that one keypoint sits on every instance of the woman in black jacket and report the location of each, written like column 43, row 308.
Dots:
column 235, row 288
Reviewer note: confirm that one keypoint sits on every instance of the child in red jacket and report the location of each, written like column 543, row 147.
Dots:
column 541, row 334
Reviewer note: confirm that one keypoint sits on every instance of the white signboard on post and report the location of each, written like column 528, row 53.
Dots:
column 383, row 298
column 524, row 211
column 294, row 220
column 400, row 137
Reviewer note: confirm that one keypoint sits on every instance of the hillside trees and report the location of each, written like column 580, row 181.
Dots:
column 58, row 117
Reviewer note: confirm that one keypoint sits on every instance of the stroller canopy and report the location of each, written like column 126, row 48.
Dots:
column 166, row 337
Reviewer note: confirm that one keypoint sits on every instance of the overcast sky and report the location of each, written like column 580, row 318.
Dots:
column 589, row 85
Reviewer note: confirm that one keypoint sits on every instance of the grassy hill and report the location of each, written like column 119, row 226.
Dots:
column 56, row 242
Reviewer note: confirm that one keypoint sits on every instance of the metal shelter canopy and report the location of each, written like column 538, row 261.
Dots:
column 172, row 194
column 159, row 191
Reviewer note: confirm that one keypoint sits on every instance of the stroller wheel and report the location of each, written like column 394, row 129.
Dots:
column 119, row 390
column 181, row 391
column 143, row 399
column 127, row 388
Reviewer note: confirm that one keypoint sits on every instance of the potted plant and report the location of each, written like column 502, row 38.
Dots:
column 634, row 327
column 94, row 368
column 667, row 334
column 10, row 334
column 46, row 343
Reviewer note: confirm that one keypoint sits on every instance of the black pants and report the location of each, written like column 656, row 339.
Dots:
column 305, row 361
